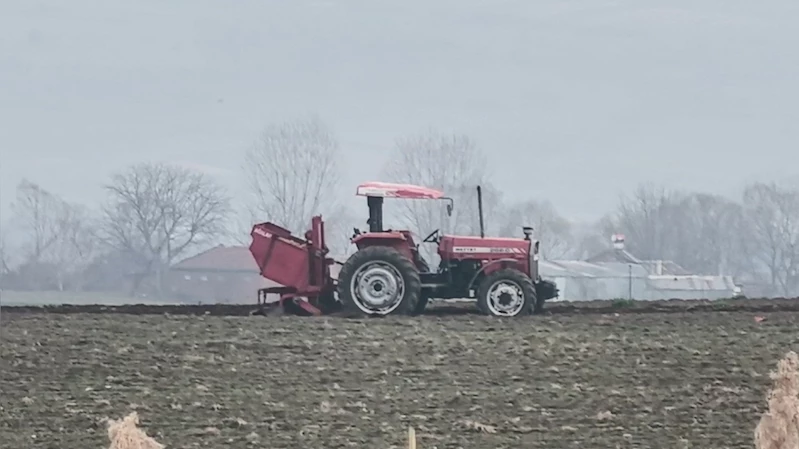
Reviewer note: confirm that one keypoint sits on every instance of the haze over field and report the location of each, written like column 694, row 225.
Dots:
column 143, row 143
column 592, row 97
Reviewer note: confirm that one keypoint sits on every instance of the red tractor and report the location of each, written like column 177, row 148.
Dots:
column 388, row 275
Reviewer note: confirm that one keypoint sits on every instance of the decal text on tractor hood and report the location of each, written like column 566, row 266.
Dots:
column 487, row 249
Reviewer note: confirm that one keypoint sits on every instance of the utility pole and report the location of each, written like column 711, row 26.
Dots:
column 630, row 282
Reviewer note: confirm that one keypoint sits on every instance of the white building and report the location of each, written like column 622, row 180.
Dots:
column 617, row 274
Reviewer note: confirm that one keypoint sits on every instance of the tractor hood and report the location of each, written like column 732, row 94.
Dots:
column 454, row 244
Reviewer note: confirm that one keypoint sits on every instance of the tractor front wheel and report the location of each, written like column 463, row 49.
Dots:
column 421, row 305
column 545, row 290
column 506, row 293
column 379, row 281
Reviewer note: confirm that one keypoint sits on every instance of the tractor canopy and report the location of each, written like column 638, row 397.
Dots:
column 401, row 191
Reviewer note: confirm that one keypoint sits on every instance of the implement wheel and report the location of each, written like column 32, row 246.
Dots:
column 506, row 293
column 379, row 281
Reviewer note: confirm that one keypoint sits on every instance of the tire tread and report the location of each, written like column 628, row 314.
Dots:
column 512, row 274
column 405, row 266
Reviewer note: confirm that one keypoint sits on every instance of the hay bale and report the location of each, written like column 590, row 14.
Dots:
column 125, row 434
column 779, row 426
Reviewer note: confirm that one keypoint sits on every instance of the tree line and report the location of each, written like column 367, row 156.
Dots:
column 156, row 214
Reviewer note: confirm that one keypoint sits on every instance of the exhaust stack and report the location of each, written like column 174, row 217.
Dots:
column 480, row 211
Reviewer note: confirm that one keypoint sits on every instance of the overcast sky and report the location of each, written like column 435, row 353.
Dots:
column 577, row 101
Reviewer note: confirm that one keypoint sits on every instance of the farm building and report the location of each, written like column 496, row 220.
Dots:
column 690, row 287
column 582, row 281
column 224, row 274
column 617, row 274
column 578, row 280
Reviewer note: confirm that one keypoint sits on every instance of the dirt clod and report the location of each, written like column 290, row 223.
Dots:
column 125, row 434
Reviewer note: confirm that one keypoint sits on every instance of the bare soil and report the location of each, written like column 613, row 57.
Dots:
column 444, row 308
column 670, row 379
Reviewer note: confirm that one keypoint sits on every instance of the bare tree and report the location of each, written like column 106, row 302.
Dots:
column 452, row 163
column 703, row 233
column 648, row 218
column 58, row 234
column 5, row 255
column 549, row 226
column 156, row 213
column 339, row 224
column 37, row 212
column 592, row 238
column 708, row 235
column 292, row 173
column 339, row 231
column 465, row 219
column 772, row 216
column 77, row 246
column 448, row 162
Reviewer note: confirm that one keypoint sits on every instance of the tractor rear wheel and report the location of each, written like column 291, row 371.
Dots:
column 424, row 298
column 379, row 281
column 421, row 305
column 506, row 293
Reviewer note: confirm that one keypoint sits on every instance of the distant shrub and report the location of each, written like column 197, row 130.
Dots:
column 621, row 303
column 779, row 426
column 125, row 434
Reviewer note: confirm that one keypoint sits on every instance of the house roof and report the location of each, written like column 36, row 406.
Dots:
column 664, row 267
column 614, row 255
column 220, row 258
column 656, row 267
column 582, row 269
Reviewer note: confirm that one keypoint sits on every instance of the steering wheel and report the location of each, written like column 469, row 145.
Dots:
column 433, row 237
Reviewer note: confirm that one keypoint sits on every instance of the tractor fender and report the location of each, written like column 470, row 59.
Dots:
column 391, row 239
column 490, row 267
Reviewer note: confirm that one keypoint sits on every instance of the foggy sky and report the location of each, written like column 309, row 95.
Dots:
column 575, row 101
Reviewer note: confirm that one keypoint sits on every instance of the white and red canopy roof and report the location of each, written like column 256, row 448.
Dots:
column 402, row 191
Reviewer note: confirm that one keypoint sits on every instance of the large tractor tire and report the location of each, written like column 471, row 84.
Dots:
column 329, row 304
column 506, row 293
column 379, row 281
column 421, row 305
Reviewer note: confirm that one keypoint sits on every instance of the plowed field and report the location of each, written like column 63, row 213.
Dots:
column 577, row 380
